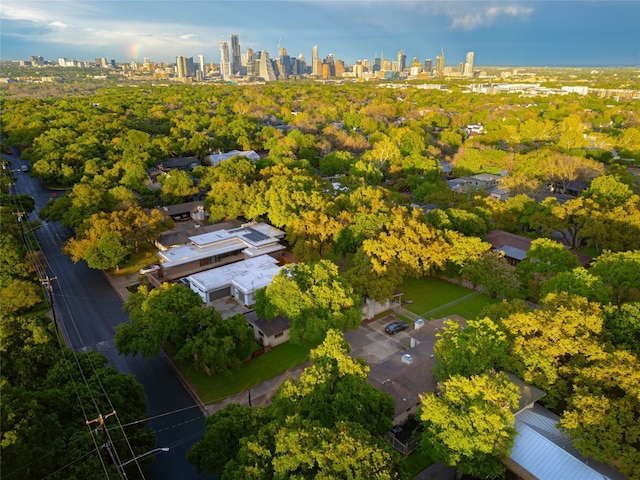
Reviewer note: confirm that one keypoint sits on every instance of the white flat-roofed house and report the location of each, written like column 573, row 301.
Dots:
column 220, row 247
column 215, row 158
column 239, row 280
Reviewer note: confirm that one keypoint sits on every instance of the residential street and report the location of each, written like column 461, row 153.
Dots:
column 88, row 308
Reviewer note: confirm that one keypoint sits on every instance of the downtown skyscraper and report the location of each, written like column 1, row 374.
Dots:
column 236, row 62
column 225, row 64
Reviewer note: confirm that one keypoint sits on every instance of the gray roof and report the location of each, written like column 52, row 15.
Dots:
column 268, row 327
column 528, row 393
column 513, row 252
column 548, row 453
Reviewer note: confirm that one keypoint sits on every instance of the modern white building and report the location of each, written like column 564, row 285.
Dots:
column 239, row 280
column 215, row 158
column 220, row 247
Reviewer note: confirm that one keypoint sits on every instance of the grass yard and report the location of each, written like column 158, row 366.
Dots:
column 469, row 309
column 278, row 360
column 417, row 461
column 431, row 296
column 429, row 293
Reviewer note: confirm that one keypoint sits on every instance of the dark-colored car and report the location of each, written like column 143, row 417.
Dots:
column 395, row 327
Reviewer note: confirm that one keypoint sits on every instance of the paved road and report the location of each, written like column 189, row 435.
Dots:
column 88, row 308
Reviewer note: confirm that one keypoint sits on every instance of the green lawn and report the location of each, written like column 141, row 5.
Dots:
column 276, row 361
column 431, row 296
column 417, row 461
column 429, row 293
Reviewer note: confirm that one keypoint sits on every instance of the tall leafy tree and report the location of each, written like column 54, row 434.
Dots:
column 469, row 422
column 314, row 296
column 548, row 344
column 494, row 274
column 619, row 272
column 473, row 349
column 602, row 415
column 172, row 316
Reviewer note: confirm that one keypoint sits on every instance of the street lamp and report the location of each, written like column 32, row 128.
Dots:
column 150, row 452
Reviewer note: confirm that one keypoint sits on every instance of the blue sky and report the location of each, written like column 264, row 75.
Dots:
column 500, row 32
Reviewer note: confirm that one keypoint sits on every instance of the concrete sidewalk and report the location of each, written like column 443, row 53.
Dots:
column 260, row 394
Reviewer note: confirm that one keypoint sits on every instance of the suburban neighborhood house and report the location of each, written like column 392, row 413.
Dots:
column 515, row 247
column 269, row 333
column 543, row 452
column 239, row 280
column 216, row 158
column 218, row 248
column 488, row 182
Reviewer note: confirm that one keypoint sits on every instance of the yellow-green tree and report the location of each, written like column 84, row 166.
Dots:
column 469, row 422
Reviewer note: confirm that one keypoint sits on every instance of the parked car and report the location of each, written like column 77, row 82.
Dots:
column 24, row 168
column 149, row 269
column 395, row 327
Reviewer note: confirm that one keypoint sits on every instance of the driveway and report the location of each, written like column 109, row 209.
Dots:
column 371, row 343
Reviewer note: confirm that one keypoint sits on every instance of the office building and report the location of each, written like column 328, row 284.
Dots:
column 185, row 67
column 225, row 64
column 468, row 65
column 428, row 65
column 316, row 63
column 265, row 68
column 201, row 65
column 249, row 63
column 339, row 68
column 377, row 64
column 402, row 61
column 440, row 64
column 236, row 64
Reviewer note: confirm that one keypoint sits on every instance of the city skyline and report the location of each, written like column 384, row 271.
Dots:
column 569, row 33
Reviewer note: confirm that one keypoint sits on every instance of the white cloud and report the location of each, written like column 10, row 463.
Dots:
column 187, row 36
column 10, row 12
column 58, row 24
column 480, row 16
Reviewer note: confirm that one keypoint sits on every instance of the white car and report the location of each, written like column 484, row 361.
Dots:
column 149, row 269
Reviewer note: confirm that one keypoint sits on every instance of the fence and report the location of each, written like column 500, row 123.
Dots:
column 404, row 448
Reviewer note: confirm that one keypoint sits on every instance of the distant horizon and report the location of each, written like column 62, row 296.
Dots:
column 569, row 33
column 53, row 62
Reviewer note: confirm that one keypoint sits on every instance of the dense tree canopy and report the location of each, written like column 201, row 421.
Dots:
column 314, row 297
column 173, row 316
column 327, row 424
column 469, row 423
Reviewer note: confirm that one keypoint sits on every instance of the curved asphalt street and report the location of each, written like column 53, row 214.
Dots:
column 87, row 310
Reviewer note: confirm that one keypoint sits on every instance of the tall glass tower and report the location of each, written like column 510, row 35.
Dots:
column 236, row 63
column 468, row 65
column 225, row 65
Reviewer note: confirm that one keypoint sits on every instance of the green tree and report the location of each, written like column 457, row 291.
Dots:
column 619, row 272
column 314, row 297
column 172, row 316
column 18, row 295
column 335, row 388
column 49, row 392
column 109, row 252
column 221, row 440
column 473, row 349
column 579, row 282
column 177, row 185
column 602, row 415
column 469, row 423
column 622, row 325
column 494, row 274
column 544, row 259
column 548, row 344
